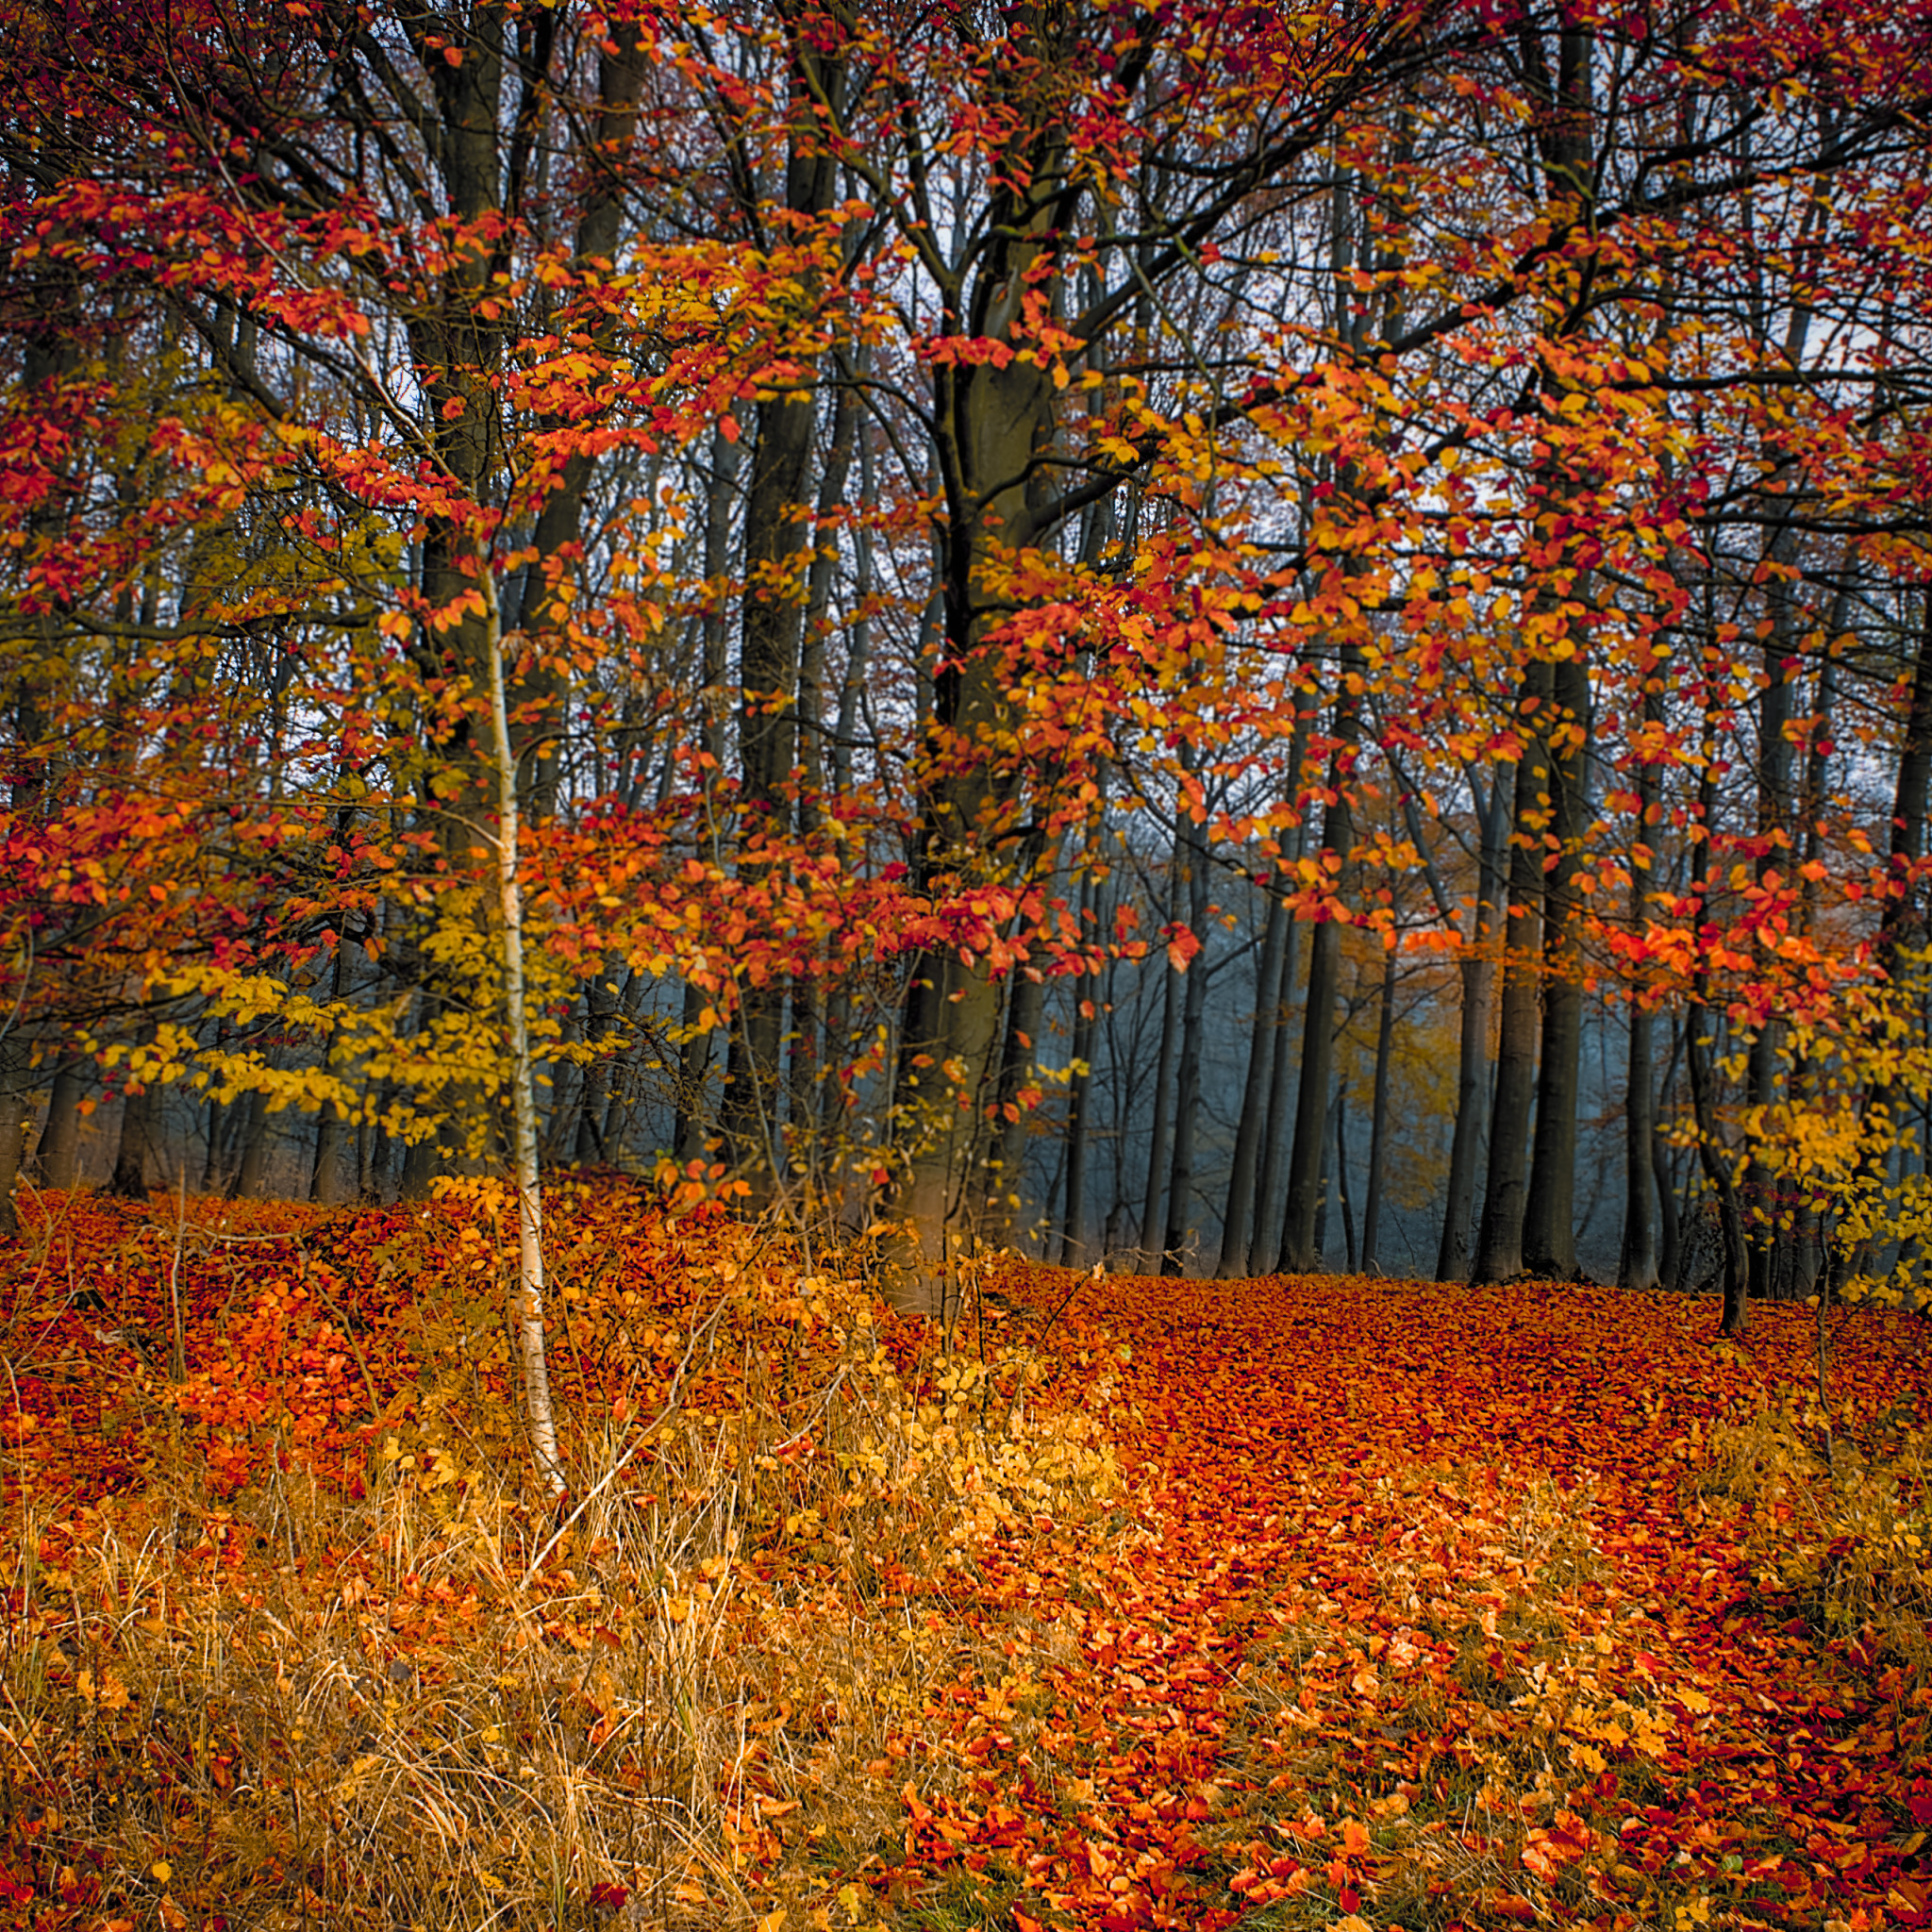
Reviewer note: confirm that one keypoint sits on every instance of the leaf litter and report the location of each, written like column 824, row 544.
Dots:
column 1249, row 1605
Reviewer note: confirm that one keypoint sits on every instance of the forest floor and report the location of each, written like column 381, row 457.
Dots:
column 1269, row 1605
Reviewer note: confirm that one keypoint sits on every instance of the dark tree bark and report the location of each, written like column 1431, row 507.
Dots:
column 14, row 1121
column 132, row 1152
column 1456, row 1253
column 1154, row 1215
column 1271, row 1179
column 57, row 1157
column 1499, row 1242
column 776, row 546
column 1901, row 922
column 690, row 1130
column 1320, row 1245
column 251, row 1171
column 1670, row 1224
column 1298, row 1251
column 1637, row 1261
column 1238, row 1224
column 1549, row 1230
column 329, row 1182
column 1180, row 1186
column 1347, row 1202
column 1378, row 1119
column 1088, row 992
column 1564, row 137
column 1765, row 1073
column 1711, row 1152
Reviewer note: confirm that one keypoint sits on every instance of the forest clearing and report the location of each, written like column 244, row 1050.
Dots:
column 1267, row 1603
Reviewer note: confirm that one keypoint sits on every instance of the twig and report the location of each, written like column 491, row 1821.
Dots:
column 629, row 1455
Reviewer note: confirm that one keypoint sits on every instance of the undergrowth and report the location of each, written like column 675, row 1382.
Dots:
column 322, row 1657
column 1841, row 1526
column 1147, row 1604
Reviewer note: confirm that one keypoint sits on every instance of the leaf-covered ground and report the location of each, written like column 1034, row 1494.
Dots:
column 1259, row 1604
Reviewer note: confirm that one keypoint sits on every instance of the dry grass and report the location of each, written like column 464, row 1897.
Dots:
column 690, row 1698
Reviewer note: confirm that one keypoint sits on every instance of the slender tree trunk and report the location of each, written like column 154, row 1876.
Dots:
column 1073, row 1229
column 1319, row 1246
column 1187, row 1105
column 1808, row 1239
column 1549, row 1232
column 1250, row 1141
column 1765, row 1074
column 1545, row 1234
column 1637, row 1263
column 1025, row 1016
column 840, row 763
column 1478, row 975
column 328, row 1184
column 1153, row 1216
column 1378, row 1119
column 1499, row 1241
column 1669, row 1230
column 593, row 1096
column 528, row 1303
column 1264, row 1250
column 1298, row 1253
column 1712, row 1154
column 1342, row 1194
column 690, row 1130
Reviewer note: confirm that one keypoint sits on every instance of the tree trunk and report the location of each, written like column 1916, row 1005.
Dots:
column 1343, row 1195
column 689, row 1131
column 1670, row 1231
column 328, row 1184
column 1298, row 1247
column 1087, row 991
column 1154, row 1196
column 56, row 1158
column 1318, row 1247
column 1900, row 917
column 15, row 1119
column 131, row 1154
column 1637, row 1263
column 1549, row 1233
column 992, row 425
column 526, row 1308
column 1712, row 1153
column 593, row 1096
column 1378, row 1119
column 1238, row 1229
column 1180, row 1186
column 1264, row 1250
column 779, row 547
column 1499, row 1242
column 1765, row 1074
column 1478, row 975
column 252, row 1169
column 1544, row 1236
column 1025, row 1016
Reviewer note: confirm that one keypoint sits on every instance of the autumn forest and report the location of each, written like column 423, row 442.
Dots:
column 965, row 964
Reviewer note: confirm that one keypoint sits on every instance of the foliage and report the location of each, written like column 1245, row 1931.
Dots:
column 1274, row 1604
